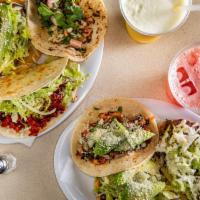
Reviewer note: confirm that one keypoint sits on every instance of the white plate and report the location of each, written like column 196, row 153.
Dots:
column 91, row 66
column 78, row 186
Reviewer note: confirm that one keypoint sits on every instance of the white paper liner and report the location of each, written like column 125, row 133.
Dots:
column 26, row 141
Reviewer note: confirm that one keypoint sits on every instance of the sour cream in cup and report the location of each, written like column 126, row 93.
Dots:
column 152, row 18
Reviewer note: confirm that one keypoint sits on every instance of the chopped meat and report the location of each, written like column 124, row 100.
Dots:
column 87, row 32
column 84, row 133
column 104, row 116
column 107, row 116
column 50, row 3
column 90, row 20
column 75, row 43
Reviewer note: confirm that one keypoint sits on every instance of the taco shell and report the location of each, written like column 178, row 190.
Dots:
column 26, row 79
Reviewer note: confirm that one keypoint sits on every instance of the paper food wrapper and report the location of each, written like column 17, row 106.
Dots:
column 26, row 141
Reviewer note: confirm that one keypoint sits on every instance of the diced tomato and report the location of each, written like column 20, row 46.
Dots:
column 6, row 121
column 34, row 131
column 17, row 128
column 36, row 124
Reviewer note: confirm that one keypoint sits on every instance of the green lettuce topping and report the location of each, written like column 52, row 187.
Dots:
column 38, row 103
column 14, row 37
column 181, row 146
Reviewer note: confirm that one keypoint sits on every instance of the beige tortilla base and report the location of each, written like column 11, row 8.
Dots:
column 132, row 160
column 26, row 79
column 39, row 34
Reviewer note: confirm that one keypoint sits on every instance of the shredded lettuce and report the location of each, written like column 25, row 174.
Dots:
column 144, row 184
column 181, row 144
column 38, row 103
column 14, row 37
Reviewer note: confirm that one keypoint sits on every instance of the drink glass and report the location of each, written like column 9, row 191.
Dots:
column 184, row 78
column 145, row 37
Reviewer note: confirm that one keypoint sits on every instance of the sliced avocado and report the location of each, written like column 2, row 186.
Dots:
column 120, row 129
column 105, row 143
column 178, row 185
column 157, row 188
column 170, row 195
column 118, row 138
column 100, row 149
column 196, row 164
column 138, row 137
column 124, row 146
column 151, row 167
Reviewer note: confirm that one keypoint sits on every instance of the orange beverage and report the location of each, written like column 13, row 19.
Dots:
column 184, row 78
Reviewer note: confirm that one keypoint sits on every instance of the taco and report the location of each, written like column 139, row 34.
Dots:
column 112, row 136
column 33, row 98
column 67, row 28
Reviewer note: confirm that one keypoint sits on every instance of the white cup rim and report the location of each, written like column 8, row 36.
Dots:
column 152, row 34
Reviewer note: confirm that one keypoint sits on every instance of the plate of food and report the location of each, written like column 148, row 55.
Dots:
column 112, row 152
column 44, row 79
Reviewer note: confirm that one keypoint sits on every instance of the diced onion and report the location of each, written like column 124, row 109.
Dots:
column 37, row 111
